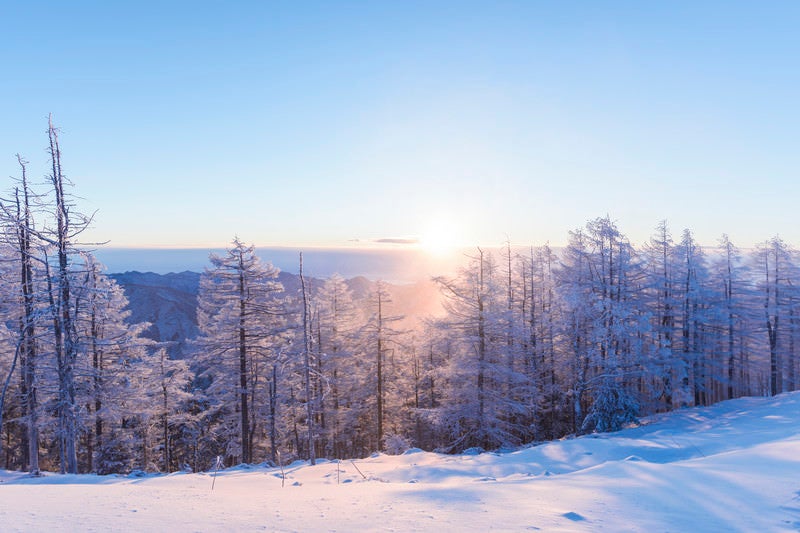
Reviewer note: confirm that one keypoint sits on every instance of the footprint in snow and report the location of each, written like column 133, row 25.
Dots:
column 575, row 517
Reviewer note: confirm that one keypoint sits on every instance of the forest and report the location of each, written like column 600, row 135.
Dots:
column 531, row 345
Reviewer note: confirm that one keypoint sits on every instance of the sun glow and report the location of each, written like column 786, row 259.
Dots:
column 439, row 238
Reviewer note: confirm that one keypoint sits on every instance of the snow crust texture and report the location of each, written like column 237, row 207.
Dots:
column 734, row 466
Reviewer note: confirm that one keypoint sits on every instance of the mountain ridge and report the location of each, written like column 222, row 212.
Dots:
column 169, row 301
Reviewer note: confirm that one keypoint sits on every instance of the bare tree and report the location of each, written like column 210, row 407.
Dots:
column 307, row 368
column 63, row 326
column 19, row 221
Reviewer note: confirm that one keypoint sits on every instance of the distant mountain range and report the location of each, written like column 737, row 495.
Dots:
column 169, row 302
column 397, row 264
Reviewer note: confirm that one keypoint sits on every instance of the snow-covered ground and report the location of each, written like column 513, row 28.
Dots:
column 731, row 467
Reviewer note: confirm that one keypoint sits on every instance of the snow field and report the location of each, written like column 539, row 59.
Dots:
column 731, row 467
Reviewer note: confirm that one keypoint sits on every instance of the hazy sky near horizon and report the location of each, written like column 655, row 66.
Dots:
column 322, row 123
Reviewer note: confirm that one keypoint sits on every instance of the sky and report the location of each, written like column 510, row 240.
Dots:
column 342, row 123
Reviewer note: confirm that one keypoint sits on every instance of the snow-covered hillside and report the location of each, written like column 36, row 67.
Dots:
column 731, row 467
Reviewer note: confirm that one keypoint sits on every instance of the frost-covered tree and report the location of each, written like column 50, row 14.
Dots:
column 600, row 277
column 693, row 318
column 310, row 397
column 729, row 274
column 21, row 242
column 379, row 336
column 735, row 311
column 774, row 258
column 335, row 335
column 660, row 256
column 541, row 314
column 67, row 225
column 367, row 372
column 9, row 362
column 61, row 311
column 237, row 315
column 475, row 410
column 517, row 354
column 110, row 370
column 168, row 428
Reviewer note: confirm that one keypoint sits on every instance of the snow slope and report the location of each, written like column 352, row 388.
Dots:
column 731, row 467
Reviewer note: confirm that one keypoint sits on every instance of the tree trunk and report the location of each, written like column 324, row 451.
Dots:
column 307, row 362
column 66, row 348
column 273, row 400
column 481, row 347
column 245, row 413
column 27, row 327
column 379, row 361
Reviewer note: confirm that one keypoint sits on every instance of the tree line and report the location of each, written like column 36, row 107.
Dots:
column 531, row 345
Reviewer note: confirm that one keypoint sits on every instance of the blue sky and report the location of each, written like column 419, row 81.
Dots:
column 321, row 123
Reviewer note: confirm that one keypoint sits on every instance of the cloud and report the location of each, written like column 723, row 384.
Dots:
column 393, row 240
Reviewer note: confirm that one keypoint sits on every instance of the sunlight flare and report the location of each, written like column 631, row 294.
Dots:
column 440, row 237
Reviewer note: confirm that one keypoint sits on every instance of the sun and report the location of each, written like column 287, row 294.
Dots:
column 439, row 237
